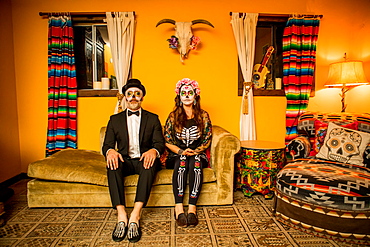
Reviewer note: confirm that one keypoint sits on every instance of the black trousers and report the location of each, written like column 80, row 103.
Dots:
column 184, row 166
column 126, row 168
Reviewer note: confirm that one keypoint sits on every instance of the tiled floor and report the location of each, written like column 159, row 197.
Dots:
column 248, row 222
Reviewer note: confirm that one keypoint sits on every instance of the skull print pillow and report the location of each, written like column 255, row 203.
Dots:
column 344, row 145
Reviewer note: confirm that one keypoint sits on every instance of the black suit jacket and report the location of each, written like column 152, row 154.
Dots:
column 150, row 135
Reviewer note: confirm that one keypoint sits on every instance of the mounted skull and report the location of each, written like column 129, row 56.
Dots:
column 184, row 34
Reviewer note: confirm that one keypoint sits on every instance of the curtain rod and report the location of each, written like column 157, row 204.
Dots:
column 284, row 15
column 76, row 14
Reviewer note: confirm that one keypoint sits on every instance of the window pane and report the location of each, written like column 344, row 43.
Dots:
column 92, row 55
column 268, row 33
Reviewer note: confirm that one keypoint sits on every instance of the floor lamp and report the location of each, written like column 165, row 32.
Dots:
column 346, row 75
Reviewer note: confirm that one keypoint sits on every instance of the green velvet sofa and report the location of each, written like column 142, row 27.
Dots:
column 77, row 178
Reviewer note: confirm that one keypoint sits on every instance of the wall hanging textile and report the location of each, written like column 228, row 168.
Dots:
column 62, row 86
column 299, row 58
column 121, row 28
column 244, row 28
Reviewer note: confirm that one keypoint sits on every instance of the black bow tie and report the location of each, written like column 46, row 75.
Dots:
column 133, row 112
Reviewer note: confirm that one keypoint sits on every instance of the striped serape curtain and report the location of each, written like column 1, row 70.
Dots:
column 299, row 58
column 62, row 86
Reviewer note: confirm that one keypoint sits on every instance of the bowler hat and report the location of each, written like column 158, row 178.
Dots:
column 133, row 83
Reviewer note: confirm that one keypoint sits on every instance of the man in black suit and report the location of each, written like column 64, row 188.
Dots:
column 132, row 145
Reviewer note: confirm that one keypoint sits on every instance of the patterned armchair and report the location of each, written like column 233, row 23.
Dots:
column 325, row 190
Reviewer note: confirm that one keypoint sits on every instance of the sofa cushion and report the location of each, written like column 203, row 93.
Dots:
column 86, row 166
column 164, row 176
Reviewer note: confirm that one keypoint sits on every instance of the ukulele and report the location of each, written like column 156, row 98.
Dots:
column 260, row 70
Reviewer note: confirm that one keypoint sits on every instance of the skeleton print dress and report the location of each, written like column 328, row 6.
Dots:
column 190, row 137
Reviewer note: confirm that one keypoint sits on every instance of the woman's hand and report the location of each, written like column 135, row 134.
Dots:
column 189, row 152
column 177, row 150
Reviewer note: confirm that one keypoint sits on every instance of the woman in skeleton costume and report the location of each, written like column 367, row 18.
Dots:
column 188, row 133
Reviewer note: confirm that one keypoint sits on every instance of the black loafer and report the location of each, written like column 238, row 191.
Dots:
column 119, row 232
column 192, row 219
column 181, row 220
column 134, row 232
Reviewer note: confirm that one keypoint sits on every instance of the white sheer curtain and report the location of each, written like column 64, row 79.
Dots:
column 244, row 28
column 121, row 29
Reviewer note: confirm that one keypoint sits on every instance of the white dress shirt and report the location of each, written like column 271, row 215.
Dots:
column 133, row 127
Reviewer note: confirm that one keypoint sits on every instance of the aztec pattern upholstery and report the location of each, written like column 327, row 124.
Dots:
column 297, row 148
column 325, row 198
column 325, row 183
column 306, row 122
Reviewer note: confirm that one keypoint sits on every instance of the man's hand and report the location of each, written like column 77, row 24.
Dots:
column 149, row 158
column 112, row 159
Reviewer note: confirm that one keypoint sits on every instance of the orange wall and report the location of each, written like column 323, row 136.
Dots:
column 344, row 28
column 10, row 164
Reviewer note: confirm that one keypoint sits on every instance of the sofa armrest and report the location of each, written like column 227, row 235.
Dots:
column 223, row 149
column 366, row 156
column 101, row 137
column 299, row 147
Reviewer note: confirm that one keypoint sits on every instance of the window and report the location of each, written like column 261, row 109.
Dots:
column 92, row 55
column 269, row 32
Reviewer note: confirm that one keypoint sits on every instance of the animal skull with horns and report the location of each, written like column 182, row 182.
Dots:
column 184, row 34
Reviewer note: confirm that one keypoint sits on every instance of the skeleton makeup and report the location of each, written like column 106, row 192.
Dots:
column 134, row 97
column 187, row 95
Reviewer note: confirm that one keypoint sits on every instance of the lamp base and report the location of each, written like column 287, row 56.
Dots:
column 343, row 96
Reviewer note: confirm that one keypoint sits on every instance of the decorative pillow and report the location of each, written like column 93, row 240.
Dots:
column 320, row 133
column 344, row 145
column 299, row 147
column 71, row 165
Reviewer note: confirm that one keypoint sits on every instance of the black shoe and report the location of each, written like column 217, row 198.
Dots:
column 192, row 219
column 119, row 232
column 134, row 232
column 181, row 220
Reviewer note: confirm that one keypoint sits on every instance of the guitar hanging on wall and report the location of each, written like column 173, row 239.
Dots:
column 260, row 70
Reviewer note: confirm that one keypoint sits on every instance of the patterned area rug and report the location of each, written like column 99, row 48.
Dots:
column 248, row 222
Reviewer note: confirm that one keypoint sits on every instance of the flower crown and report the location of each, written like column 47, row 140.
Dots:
column 187, row 81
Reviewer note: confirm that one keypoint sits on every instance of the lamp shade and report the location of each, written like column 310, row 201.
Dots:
column 348, row 73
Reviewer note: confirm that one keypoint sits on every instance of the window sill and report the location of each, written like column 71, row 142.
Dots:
column 97, row 92
column 268, row 92
column 273, row 92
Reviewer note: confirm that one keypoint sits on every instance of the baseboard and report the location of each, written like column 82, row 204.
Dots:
column 13, row 180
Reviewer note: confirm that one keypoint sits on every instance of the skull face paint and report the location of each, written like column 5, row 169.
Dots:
column 187, row 95
column 343, row 144
column 134, row 97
